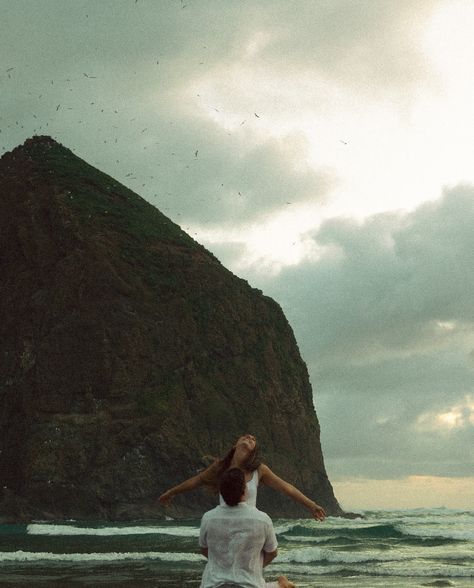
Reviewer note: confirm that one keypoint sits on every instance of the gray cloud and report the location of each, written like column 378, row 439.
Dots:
column 371, row 45
column 389, row 281
column 385, row 321
column 221, row 185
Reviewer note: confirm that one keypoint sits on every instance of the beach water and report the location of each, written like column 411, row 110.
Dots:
column 386, row 548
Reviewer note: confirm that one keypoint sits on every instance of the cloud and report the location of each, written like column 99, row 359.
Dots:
column 371, row 44
column 220, row 185
column 391, row 281
column 455, row 417
column 385, row 322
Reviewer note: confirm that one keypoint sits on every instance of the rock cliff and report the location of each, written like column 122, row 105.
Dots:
column 128, row 352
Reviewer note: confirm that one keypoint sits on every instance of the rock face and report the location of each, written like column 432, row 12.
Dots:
column 128, row 352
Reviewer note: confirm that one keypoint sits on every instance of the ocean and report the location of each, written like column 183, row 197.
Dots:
column 386, row 548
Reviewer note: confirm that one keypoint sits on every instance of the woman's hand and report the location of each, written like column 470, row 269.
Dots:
column 166, row 498
column 318, row 512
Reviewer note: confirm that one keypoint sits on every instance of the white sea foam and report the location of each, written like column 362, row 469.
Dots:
column 416, row 568
column 305, row 539
column 438, row 531
column 381, row 569
column 307, row 555
column 45, row 529
column 279, row 529
column 317, row 554
column 288, row 569
column 34, row 556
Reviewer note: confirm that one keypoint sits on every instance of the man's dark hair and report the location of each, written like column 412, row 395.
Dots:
column 232, row 486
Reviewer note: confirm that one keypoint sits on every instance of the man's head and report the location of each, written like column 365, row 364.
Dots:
column 232, row 486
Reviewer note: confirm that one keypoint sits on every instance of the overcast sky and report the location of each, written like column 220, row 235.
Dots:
column 323, row 151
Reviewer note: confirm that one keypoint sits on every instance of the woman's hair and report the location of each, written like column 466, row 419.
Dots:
column 232, row 486
column 213, row 474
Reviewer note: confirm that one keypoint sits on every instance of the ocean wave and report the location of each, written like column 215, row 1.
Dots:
column 318, row 555
column 399, row 530
column 48, row 529
column 417, row 568
column 280, row 529
column 386, row 531
column 436, row 555
column 39, row 556
column 308, row 539
column 437, row 532
column 381, row 570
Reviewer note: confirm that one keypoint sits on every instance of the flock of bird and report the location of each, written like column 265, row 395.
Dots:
column 47, row 123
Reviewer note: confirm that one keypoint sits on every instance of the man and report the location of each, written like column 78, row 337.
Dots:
column 237, row 539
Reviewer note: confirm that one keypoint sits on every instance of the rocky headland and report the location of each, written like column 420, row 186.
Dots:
column 129, row 352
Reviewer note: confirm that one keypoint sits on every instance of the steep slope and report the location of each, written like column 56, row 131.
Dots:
column 128, row 352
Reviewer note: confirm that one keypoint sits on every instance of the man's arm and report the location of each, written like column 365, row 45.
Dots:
column 270, row 548
column 203, row 536
column 269, row 556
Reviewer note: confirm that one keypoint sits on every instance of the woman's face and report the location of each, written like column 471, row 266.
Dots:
column 248, row 441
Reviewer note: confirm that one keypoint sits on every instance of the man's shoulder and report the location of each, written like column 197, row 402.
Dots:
column 212, row 513
column 259, row 514
column 241, row 512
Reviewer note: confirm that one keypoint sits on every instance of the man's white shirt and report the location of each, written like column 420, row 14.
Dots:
column 235, row 537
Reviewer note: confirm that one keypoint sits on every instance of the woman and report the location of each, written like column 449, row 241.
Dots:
column 243, row 455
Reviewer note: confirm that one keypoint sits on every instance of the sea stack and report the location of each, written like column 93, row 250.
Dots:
column 129, row 353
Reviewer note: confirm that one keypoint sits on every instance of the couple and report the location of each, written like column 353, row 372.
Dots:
column 238, row 539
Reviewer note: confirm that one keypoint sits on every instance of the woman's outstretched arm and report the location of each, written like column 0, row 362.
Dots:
column 267, row 477
column 189, row 484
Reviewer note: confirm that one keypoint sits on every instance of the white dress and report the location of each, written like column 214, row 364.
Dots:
column 252, row 486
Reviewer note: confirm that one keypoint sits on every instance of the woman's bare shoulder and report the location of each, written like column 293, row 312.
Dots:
column 263, row 470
